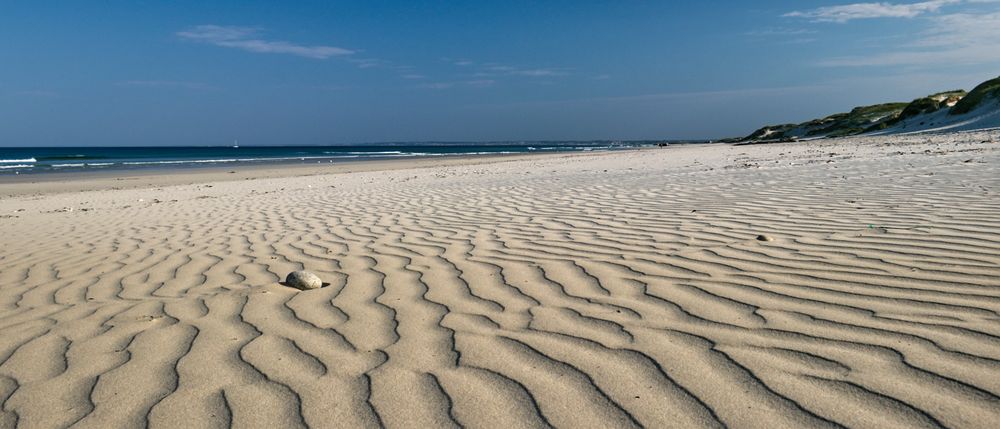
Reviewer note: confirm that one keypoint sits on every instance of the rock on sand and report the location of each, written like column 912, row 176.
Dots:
column 303, row 280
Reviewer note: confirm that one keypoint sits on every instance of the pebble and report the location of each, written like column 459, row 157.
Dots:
column 304, row 280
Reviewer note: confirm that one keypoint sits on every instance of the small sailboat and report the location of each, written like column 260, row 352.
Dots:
column 236, row 144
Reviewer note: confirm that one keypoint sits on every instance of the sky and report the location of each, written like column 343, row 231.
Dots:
column 136, row 73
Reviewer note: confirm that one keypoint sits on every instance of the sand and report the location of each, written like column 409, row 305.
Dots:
column 851, row 282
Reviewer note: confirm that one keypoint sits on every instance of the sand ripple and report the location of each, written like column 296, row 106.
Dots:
column 536, row 293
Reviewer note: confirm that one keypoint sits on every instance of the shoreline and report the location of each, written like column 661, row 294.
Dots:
column 51, row 183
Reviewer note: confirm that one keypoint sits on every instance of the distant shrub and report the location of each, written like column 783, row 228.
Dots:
column 850, row 131
column 985, row 90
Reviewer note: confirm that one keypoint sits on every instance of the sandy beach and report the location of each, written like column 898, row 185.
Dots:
column 846, row 282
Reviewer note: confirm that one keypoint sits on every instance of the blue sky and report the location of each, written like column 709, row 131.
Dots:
column 319, row 72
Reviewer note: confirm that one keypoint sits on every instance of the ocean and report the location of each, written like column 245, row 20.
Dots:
column 73, row 159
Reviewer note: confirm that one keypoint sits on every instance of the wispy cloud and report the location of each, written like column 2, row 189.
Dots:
column 962, row 29
column 330, row 88
column 498, row 69
column 961, row 38
column 538, row 73
column 38, row 93
column 783, row 36
column 494, row 70
column 780, row 31
column 247, row 39
column 165, row 84
column 849, row 12
column 367, row 63
column 725, row 93
column 797, row 41
column 685, row 97
column 479, row 83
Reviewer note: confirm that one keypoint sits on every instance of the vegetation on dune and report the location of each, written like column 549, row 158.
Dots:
column 769, row 132
column 844, row 132
column 877, row 110
column 930, row 104
column 921, row 106
column 839, row 124
column 878, row 117
column 985, row 90
column 858, row 119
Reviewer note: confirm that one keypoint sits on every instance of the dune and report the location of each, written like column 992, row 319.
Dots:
column 849, row 282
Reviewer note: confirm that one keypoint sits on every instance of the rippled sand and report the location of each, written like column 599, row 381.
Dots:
column 605, row 290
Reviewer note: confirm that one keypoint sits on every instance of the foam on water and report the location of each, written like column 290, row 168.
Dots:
column 42, row 160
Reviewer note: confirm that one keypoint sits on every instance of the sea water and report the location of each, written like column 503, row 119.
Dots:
column 70, row 159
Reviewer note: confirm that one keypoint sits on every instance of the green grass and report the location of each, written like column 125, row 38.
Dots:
column 881, row 116
column 988, row 89
column 850, row 131
column 776, row 132
column 856, row 121
column 930, row 104
column 958, row 92
column 876, row 110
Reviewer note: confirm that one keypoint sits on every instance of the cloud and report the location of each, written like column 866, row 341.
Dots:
column 329, row 88
column 479, row 83
column 496, row 69
column 165, row 84
column 538, row 73
column 849, row 12
column 962, row 29
column 413, row 76
column 38, row 93
column 457, row 61
column 367, row 63
column 244, row 38
column 798, row 41
column 961, row 38
column 500, row 69
column 682, row 97
column 783, row 36
column 779, row 31
column 493, row 67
